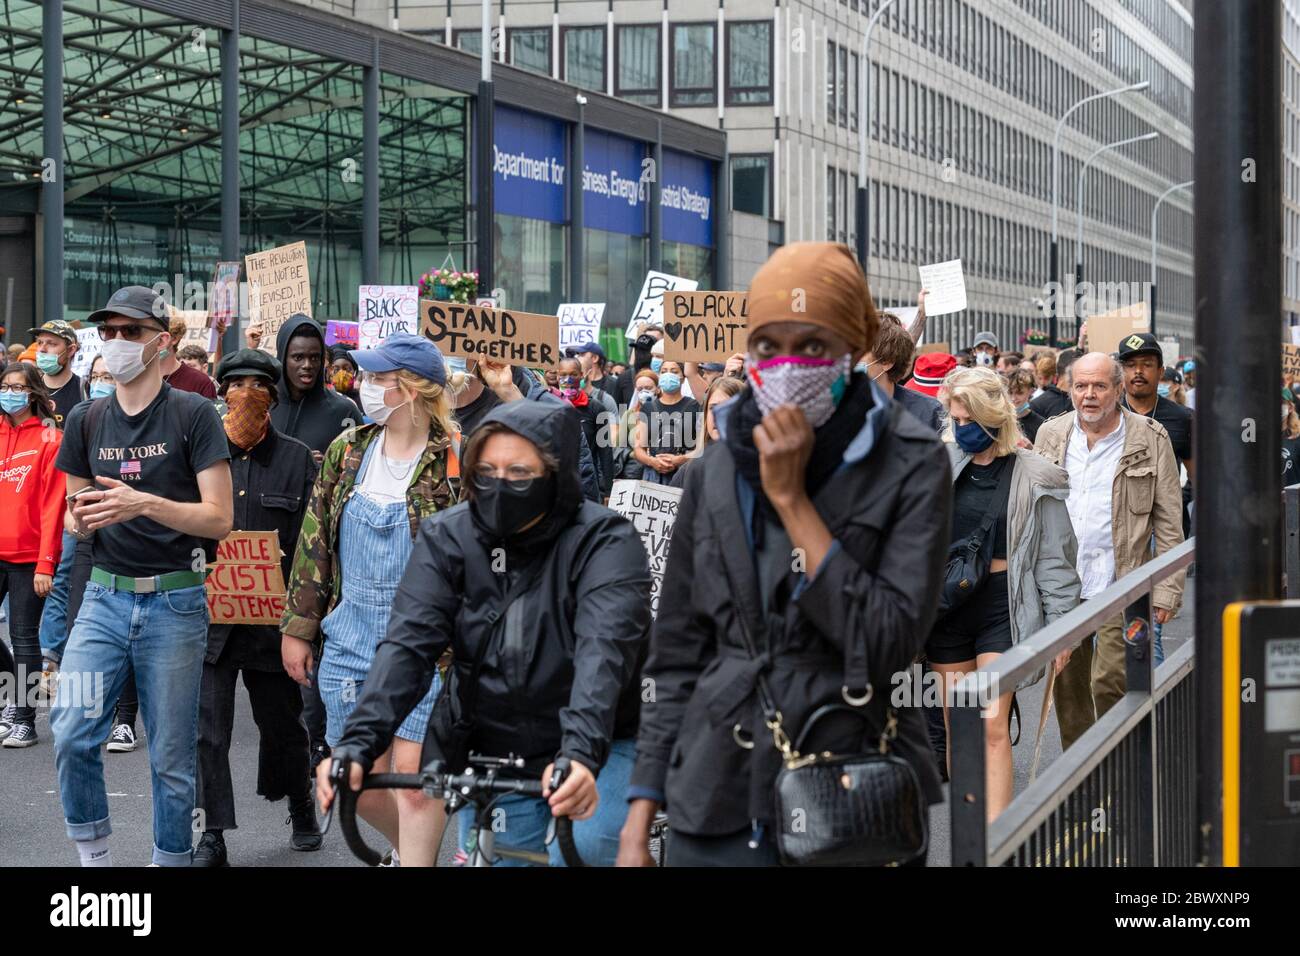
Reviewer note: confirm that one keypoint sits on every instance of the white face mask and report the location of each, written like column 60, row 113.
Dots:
column 372, row 402
column 125, row 360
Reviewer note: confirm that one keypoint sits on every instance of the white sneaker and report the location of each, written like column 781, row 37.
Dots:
column 7, row 720
column 22, row 735
column 121, row 740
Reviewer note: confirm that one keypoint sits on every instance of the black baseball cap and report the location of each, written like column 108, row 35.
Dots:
column 134, row 302
column 249, row 362
column 1139, row 343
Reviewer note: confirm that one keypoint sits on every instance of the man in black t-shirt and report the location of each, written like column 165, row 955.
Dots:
column 148, row 471
column 56, row 344
column 1142, row 358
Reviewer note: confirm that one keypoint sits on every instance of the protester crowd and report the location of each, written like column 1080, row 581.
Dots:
column 850, row 504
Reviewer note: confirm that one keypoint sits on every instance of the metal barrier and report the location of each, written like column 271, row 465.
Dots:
column 1124, row 793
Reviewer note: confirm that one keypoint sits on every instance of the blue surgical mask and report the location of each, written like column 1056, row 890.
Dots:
column 1163, row 389
column 102, row 389
column 669, row 382
column 14, row 402
column 48, row 363
column 972, row 437
column 1021, row 409
column 455, row 364
column 655, row 363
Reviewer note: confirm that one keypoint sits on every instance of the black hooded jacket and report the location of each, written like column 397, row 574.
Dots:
column 560, row 672
column 318, row 417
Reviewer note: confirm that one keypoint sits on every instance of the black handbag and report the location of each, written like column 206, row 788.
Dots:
column 863, row 809
column 968, row 563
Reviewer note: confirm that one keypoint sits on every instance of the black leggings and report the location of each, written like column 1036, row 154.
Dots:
column 24, row 665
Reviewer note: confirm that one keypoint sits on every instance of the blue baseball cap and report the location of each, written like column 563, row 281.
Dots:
column 1189, row 366
column 401, row 350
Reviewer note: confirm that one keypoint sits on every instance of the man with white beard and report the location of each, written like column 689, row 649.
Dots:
column 1123, row 490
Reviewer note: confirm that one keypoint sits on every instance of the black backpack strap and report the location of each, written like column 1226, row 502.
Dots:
column 997, row 507
column 90, row 421
column 176, row 409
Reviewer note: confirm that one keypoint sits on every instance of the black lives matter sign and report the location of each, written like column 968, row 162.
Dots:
column 705, row 326
column 500, row 335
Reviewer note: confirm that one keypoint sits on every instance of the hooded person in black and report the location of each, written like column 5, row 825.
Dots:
column 559, row 664
column 625, row 385
column 308, row 411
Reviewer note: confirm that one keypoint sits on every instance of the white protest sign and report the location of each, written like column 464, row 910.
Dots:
column 89, row 345
column 385, row 309
column 579, row 323
column 906, row 314
column 1169, row 347
column 946, row 287
column 652, row 509
column 650, row 304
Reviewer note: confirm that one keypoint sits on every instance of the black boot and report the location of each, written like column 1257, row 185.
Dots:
column 306, row 833
column 211, row 850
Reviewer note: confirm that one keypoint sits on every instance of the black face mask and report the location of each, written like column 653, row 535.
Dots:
column 502, row 511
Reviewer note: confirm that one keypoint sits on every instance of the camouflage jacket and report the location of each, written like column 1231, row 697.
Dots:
column 314, row 587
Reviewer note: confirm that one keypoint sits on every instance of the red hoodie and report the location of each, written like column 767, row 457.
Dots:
column 32, row 494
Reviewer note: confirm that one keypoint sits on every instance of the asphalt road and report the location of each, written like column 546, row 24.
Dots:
column 31, row 819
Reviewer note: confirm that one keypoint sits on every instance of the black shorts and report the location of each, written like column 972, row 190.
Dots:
column 980, row 625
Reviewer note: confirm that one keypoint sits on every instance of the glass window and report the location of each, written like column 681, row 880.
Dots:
column 751, row 184
column 531, row 259
column 584, row 56
column 693, row 77
column 844, row 206
column 856, row 93
column 531, row 50
column 830, row 203
column 470, row 41
column 843, row 94
column 688, row 261
column 615, row 267
column 636, row 51
column 749, row 63
column 830, row 83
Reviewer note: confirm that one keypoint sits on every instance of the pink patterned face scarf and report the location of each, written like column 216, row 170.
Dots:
column 815, row 385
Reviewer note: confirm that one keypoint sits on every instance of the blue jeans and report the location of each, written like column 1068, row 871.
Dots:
column 523, row 819
column 1159, row 653
column 54, row 619
column 163, row 636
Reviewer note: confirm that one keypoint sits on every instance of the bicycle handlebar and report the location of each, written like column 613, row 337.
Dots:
column 467, row 784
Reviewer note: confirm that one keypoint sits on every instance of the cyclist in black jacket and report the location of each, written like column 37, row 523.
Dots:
column 559, row 665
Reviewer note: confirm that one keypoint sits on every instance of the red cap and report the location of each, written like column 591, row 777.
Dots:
column 929, row 371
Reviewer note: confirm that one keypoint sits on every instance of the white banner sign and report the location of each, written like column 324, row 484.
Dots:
column 579, row 323
column 650, row 305
column 653, row 510
column 946, row 287
column 385, row 309
column 88, row 346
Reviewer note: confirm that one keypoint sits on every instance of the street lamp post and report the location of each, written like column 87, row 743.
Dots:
column 483, row 139
column 1053, row 265
column 860, row 201
column 1151, row 305
column 1080, row 183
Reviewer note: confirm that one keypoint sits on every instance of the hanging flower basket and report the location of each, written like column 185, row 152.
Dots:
column 1033, row 337
column 448, row 285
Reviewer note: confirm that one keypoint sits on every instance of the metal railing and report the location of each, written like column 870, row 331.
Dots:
column 1124, row 793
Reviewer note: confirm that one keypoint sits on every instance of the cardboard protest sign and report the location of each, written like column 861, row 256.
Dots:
column 946, row 287
column 650, row 304
column 705, row 326
column 933, row 347
column 341, row 333
column 517, row 338
column 197, row 331
column 652, row 509
column 1107, row 330
column 579, row 323
column 385, row 309
column 246, row 585
column 88, row 346
column 1033, row 351
column 224, row 305
column 278, row 287
column 1290, row 361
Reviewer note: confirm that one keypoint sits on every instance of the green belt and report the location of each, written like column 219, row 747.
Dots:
column 170, row 581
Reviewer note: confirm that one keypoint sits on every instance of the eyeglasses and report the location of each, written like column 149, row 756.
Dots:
column 517, row 477
column 16, row 389
column 129, row 332
column 102, row 379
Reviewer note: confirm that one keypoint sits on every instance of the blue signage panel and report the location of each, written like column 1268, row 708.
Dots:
column 687, row 199
column 615, row 184
column 529, row 165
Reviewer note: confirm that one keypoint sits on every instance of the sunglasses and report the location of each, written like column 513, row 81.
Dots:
column 130, row 332
column 518, row 478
